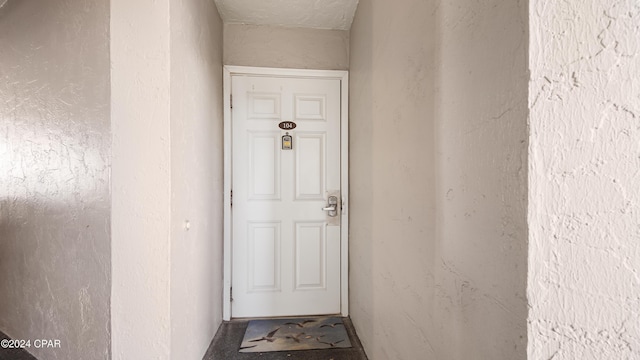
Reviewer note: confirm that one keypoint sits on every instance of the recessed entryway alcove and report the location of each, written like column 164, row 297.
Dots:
column 437, row 110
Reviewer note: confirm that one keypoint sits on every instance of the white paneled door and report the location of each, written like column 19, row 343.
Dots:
column 285, row 187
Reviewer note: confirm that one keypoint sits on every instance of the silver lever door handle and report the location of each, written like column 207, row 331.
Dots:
column 333, row 206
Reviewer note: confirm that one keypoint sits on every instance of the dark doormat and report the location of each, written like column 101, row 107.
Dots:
column 295, row 334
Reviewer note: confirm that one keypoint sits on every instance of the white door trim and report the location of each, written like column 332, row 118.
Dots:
column 343, row 76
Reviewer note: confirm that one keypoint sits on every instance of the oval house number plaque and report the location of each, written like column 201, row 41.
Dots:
column 287, row 125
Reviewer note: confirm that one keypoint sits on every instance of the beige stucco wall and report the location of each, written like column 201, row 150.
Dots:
column 481, row 193
column 196, row 176
column 283, row 47
column 141, row 179
column 166, row 122
column 55, row 144
column 584, row 180
column 393, row 178
column 438, row 188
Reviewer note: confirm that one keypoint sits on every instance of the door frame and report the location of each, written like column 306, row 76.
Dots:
column 343, row 76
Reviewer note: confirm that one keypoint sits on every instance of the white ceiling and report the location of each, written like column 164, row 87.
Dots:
column 319, row 14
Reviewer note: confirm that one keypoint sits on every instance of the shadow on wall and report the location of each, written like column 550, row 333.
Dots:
column 361, row 190
column 438, row 178
column 392, row 117
column 5, row 7
column 55, row 279
column 481, row 194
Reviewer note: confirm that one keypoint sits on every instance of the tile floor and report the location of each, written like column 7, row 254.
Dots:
column 13, row 354
column 227, row 341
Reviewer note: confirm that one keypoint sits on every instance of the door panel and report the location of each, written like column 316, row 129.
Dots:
column 310, row 166
column 264, row 256
column 263, row 106
column 310, row 107
column 310, row 256
column 285, row 248
column 264, row 166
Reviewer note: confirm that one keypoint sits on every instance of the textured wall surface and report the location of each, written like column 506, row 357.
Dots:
column 392, row 177
column 298, row 48
column 196, row 176
column 167, row 170
column 438, row 187
column 54, row 179
column 584, row 180
column 325, row 14
column 481, row 193
column 141, row 179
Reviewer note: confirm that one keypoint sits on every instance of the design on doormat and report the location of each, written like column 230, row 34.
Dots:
column 295, row 334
